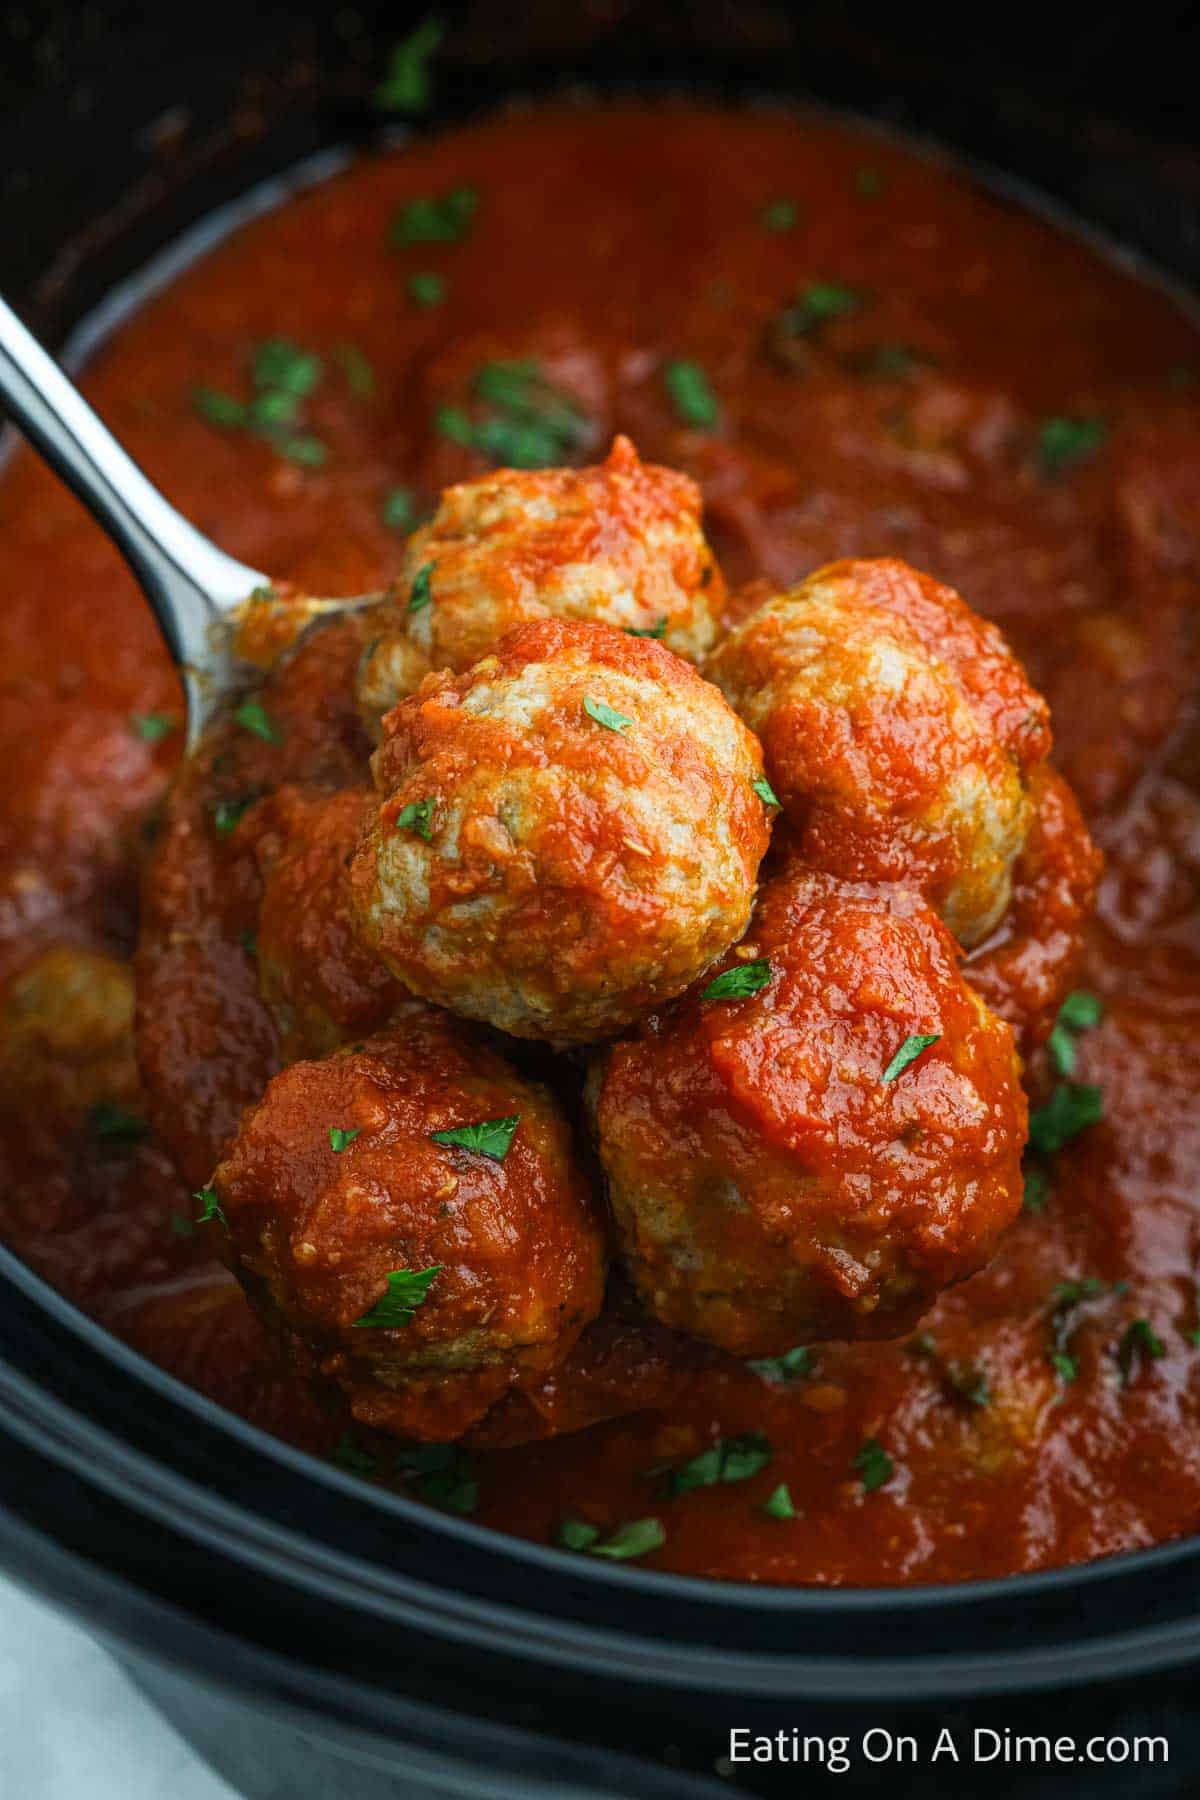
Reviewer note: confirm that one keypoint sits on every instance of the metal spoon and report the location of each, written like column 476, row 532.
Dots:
column 192, row 586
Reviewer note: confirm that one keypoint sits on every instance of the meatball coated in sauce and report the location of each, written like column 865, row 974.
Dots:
column 769, row 1185
column 898, row 732
column 315, row 1230
column 618, row 544
column 1026, row 968
column 568, row 833
column 321, row 983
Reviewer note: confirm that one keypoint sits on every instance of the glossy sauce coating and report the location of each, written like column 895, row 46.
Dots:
column 830, row 450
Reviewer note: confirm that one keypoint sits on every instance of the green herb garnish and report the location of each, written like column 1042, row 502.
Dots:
column 1067, row 1298
column 604, row 715
column 765, row 791
column 1138, row 1340
column 873, row 1464
column 219, row 409
column 739, row 983
column 152, row 728
column 182, row 1227
column 637, row 1538
column 908, row 1053
column 490, row 1137
column 1037, row 1190
column 417, row 817
column 406, row 1290
column 443, row 1475
column 779, row 215
column 728, row 1460
column 406, row 85
column 339, row 1137
column 1070, row 1110
column 435, row 219
column 283, row 367
column 426, row 289
column 421, row 592
column 778, row 1504
column 1080, row 1011
column 818, row 305
column 1062, row 443
column 253, row 716
column 690, row 394
column 399, row 509
column 355, row 366
column 576, row 1534
column 648, row 631
column 210, row 1207
column 785, row 1370
column 226, row 813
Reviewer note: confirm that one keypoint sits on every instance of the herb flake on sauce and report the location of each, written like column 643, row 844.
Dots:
column 406, row 1290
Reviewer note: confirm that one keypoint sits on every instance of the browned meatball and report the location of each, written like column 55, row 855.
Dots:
column 426, row 1278
column 569, row 832
column 823, row 1135
column 898, row 732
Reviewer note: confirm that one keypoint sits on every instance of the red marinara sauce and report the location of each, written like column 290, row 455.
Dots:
column 954, row 382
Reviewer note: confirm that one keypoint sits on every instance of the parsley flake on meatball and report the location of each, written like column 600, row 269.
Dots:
column 898, row 731
column 817, row 1141
column 569, row 832
column 409, row 1212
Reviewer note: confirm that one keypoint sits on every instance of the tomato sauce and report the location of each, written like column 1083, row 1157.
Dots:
column 972, row 390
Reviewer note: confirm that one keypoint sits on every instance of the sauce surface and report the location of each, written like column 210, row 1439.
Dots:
column 972, row 391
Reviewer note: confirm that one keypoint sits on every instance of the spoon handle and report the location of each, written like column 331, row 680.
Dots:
column 187, row 580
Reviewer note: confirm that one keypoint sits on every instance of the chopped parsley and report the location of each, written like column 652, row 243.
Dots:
column 348, row 1456
column 435, row 219
column 490, row 1137
column 886, row 362
column 1067, row 1298
column 284, row 375
column 181, row 1226
column 728, row 1460
column 765, row 791
column 417, row 817
column 604, row 715
column 406, row 1290
column 210, row 1207
column 421, row 593
column 426, row 289
column 1080, row 1011
column 1139, row 1340
column 690, row 394
column 339, row 1137
column 965, row 1381
column 908, row 1053
column 1072, row 1108
column 648, row 631
column 779, row 215
column 152, row 728
column 399, row 509
column 576, row 1534
column 873, row 1465
column 443, row 1475
column 786, row 1370
column 778, row 1504
column 817, row 305
column 528, row 423
column 253, row 716
column 1063, row 443
column 406, row 86
column 739, row 983
column 1037, row 1190
column 114, row 1124
column 226, row 813
column 637, row 1538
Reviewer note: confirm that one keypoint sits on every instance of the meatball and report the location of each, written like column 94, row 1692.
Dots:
column 66, row 1037
column 335, row 1185
column 569, row 832
column 822, row 1136
column 619, row 544
column 1026, row 968
column 321, row 983
column 898, row 732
